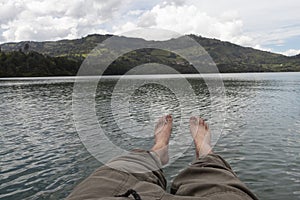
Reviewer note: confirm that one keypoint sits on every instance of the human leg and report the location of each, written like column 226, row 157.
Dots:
column 138, row 171
column 209, row 176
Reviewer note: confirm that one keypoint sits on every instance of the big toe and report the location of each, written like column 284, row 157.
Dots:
column 197, row 121
column 194, row 120
column 169, row 118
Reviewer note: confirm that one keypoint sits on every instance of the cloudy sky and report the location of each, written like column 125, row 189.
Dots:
column 263, row 24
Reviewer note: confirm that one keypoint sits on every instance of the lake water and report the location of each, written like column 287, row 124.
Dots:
column 42, row 156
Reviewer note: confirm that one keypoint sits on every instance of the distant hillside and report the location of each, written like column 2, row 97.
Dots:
column 59, row 48
column 234, row 58
column 20, row 59
column 20, row 64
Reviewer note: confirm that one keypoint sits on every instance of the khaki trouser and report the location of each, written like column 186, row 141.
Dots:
column 209, row 177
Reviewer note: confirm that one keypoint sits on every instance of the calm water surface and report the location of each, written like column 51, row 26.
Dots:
column 42, row 156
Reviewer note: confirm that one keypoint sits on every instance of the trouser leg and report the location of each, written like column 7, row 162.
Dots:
column 210, row 177
column 138, row 170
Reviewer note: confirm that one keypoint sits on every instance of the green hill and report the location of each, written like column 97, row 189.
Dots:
column 234, row 58
column 57, row 58
column 20, row 64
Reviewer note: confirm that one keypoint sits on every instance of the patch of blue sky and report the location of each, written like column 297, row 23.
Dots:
column 285, row 44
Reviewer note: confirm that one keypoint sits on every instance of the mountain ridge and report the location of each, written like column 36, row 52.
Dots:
column 228, row 57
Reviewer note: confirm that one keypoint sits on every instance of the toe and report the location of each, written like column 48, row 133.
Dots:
column 193, row 120
column 201, row 121
column 206, row 126
column 169, row 118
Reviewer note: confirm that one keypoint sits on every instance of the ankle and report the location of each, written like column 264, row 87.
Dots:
column 203, row 150
column 162, row 153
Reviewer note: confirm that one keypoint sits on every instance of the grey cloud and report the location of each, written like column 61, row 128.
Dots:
column 9, row 11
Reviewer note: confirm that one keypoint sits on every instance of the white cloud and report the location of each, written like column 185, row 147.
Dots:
column 128, row 26
column 187, row 19
column 291, row 52
column 262, row 48
column 54, row 19
column 8, row 10
column 268, row 24
column 135, row 12
column 253, row 23
column 256, row 23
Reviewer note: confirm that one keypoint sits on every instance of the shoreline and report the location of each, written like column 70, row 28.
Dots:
column 145, row 76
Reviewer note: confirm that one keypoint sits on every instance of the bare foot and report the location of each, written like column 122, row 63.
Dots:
column 201, row 135
column 162, row 135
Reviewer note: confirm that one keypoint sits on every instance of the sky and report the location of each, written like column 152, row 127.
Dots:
column 262, row 24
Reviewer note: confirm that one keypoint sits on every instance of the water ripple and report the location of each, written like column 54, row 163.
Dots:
column 42, row 156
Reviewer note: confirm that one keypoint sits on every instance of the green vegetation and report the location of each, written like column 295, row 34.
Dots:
column 233, row 58
column 63, row 58
column 143, row 56
column 19, row 64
